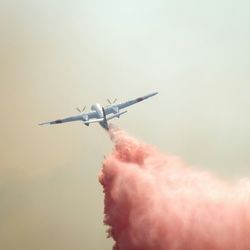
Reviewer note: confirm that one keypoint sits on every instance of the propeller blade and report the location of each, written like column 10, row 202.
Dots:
column 109, row 101
column 83, row 108
column 78, row 110
column 115, row 100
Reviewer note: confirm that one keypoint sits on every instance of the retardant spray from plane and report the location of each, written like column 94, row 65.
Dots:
column 153, row 201
column 99, row 113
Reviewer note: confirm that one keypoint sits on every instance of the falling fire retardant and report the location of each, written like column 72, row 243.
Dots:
column 154, row 201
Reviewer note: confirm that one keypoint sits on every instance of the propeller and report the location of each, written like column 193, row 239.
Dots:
column 79, row 110
column 114, row 101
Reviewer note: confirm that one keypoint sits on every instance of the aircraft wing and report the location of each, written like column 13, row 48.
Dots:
column 113, row 109
column 84, row 117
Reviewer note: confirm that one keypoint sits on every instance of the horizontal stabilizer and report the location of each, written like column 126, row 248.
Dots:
column 116, row 115
column 93, row 120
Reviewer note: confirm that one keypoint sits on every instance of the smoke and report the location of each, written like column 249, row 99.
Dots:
column 154, row 201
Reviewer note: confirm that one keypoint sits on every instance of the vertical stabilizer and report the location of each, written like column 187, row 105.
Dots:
column 104, row 123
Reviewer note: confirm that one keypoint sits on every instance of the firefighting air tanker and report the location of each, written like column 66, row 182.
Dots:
column 100, row 113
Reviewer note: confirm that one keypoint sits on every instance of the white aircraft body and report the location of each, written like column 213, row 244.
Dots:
column 100, row 114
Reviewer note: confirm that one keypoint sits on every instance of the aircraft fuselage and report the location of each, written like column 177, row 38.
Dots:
column 100, row 114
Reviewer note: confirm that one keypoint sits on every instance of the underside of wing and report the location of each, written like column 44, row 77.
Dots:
column 86, row 118
column 63, row 120
column 81, row 117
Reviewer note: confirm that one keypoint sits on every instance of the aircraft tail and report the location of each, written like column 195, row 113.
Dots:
column 104, row 123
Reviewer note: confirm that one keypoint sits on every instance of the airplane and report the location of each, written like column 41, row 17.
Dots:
column 99, row 113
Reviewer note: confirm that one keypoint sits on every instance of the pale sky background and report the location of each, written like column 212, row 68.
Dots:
column 58, row 55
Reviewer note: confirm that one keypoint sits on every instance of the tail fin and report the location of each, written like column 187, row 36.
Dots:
column 104, row 123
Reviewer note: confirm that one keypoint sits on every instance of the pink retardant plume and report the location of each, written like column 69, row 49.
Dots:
column 154, row 201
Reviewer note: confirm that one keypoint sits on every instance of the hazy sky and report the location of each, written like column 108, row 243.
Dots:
column 59, row 55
